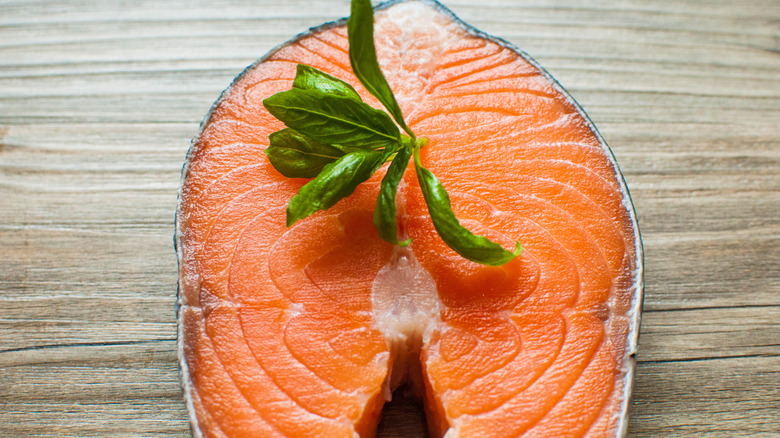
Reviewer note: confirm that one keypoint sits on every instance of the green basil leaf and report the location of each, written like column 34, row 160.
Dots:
column 309, row 78
column 362, row 57
column 336, row 181
column 333, row 120
column 296, row 156
column 475, row 248
column 385, row 212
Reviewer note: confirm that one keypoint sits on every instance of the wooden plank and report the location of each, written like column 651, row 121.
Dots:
column 707, row 398
column 92, row 390
column 45, row 321
column 693, row 335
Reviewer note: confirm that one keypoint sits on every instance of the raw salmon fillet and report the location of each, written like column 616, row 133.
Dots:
column 306, row 331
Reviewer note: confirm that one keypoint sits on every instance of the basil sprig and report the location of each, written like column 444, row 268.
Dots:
column 309, row 78
column 296, row 156
column 336, row 181
column 362, row 58
column 338, row 140
column 333, row 119
column 463, row 241
column 385, row 212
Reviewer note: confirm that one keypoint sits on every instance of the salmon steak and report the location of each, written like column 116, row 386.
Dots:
column 306, row 331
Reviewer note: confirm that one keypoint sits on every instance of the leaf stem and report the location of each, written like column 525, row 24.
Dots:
column 419, row 144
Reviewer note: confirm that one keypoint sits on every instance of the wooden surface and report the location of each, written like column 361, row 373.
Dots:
column 99, row 100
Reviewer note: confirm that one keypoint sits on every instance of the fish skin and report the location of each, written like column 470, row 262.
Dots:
column 228, row 222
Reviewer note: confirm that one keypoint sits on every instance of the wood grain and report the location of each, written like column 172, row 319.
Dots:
column 99, row 101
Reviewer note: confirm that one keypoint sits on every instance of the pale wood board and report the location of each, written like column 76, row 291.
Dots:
column 99, row 101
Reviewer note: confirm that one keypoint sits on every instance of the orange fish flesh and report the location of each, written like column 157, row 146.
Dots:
column 306, row 331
